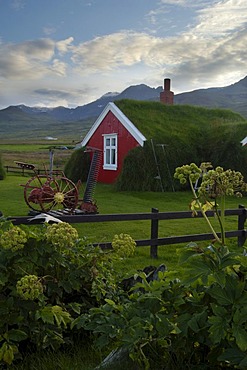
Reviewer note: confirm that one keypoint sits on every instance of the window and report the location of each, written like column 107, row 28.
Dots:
column 110, row 152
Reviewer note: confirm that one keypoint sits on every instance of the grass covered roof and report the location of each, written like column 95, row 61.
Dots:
column 189, row 133
column 155, row 119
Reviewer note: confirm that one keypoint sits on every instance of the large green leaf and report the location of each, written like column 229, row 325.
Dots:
column 7, row 352
column 16, row 335
column 239, row 327
column 235, row 357
column 219, row 310
column 60, row 316
column 240, row 335
column 232, row 291
column 218, row 328
column 46, row 315
column 221, row 295
column 186, row 254
column 163, row 325
column 229, row 260
column 198, row 321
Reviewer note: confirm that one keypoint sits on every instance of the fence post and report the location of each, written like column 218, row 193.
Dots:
column 241, row 224
column 154, row 235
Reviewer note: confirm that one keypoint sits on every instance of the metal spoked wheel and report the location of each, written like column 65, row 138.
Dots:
column 43, row 193
column 39, row 192
column 66, row 195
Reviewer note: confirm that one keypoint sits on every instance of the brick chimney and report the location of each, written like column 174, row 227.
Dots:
column 166, row 96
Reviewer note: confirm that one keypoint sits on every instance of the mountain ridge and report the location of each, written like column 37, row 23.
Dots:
column 16, row 117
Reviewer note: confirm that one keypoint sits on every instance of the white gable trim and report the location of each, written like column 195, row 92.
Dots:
column 133, row 130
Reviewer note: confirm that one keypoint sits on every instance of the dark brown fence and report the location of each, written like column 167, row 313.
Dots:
column 27, row 172
column 155, row 216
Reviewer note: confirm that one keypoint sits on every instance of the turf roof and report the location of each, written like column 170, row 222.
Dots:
column 156, row 120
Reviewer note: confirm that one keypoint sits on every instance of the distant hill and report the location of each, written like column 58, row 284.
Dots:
column 26, row 122
column 233, row 97
column 19, row 123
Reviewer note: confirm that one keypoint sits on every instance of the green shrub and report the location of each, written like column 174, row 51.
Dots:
column 197, row 323
column 2, row 170
column 48, row 277
column 77, row 167
column 138, row 173
column 200, row 322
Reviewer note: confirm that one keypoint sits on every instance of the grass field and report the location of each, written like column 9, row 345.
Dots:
column 36, row 152
column 111, row 202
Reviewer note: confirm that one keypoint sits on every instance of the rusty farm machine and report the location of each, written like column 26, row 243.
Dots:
column 54, row 192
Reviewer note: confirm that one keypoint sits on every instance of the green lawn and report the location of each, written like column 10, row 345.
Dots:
column 34, row 152
column 109, row 201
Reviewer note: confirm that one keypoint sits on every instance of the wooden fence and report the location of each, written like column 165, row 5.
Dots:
column 155, row 216
column 28, row 172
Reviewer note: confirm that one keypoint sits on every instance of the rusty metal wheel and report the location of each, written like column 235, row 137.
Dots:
column 39, row 192
column 44, row 193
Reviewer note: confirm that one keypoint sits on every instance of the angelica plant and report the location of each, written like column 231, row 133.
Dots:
column 124, row 245
column 48, row 277
column 13, row 239
column 29, row 287
column 61, row 235
column 215, row 185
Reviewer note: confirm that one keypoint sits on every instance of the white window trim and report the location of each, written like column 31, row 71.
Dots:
column 107, row 166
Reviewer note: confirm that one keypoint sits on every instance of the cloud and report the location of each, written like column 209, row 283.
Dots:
column 223, row 17
column 54, row 94
column 211, row 52
column 30, row 59
column 64, row 46
column 198, row 51
column 42, row 49
column 113, row 51
column 17, row 4
column 49, row 30
column 185, row 3
column 59, row 67
column 60, row 97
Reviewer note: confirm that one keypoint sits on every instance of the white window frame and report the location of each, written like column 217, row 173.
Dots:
column 110, row 152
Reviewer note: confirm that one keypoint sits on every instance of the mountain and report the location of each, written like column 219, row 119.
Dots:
column 21, row 122
column 233, row 97
column 27, row 121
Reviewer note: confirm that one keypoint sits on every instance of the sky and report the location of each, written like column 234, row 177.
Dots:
column 71, row 52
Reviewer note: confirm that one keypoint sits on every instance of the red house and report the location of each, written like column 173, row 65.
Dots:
column 115, row 135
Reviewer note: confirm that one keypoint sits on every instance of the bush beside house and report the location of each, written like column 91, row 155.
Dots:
column 77, row 167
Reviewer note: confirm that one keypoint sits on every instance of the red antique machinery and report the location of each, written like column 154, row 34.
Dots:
column 53, row 191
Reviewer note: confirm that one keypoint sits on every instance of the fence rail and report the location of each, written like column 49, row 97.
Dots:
column 25, row 171
column 155, row 216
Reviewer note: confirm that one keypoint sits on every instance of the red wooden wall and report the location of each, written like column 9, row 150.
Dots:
column 111, row 125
